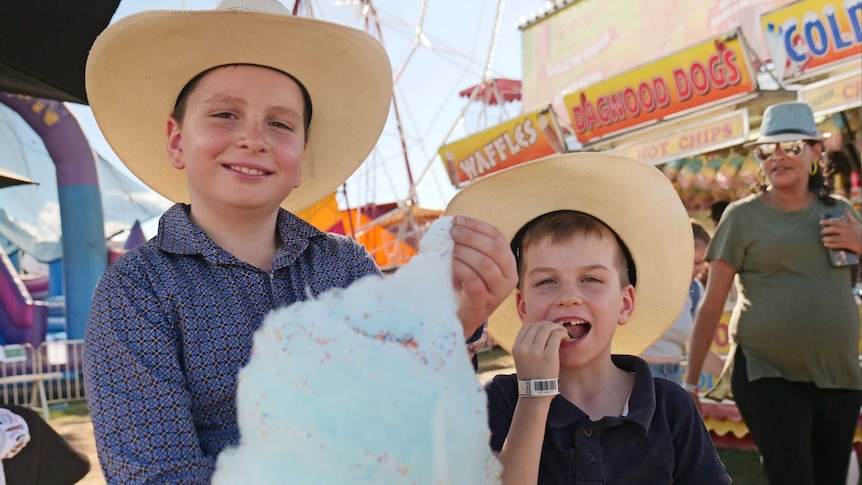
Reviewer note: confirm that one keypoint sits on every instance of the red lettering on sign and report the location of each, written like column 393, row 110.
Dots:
column 699, row 78
column 647, row 97
column 680, row 80
column 662, row 94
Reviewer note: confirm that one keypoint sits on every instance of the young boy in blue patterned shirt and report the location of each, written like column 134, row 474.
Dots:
column 230, row 95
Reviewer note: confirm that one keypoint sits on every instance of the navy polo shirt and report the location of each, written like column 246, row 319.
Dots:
column 661, row 440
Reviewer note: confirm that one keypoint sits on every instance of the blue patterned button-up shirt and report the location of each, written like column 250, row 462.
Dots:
column 171, row 325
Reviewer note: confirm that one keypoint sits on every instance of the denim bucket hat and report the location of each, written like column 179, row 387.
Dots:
column 787, row 122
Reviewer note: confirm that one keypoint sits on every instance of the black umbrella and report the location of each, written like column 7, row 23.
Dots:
column 44, row 45
column 8, row 179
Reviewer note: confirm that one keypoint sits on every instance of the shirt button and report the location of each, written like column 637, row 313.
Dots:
column 588, row 432
column 591, row 457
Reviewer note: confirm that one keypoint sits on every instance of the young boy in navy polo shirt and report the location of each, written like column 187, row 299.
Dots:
column 600, row 243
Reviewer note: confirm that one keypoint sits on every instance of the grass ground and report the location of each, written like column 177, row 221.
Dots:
column 68, row 411
column 743, row 466
column 73, row 423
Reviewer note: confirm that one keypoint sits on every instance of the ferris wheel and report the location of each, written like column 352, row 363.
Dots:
column 443, row 55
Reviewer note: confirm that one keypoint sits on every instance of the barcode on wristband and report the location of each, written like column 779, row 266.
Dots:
column 545, row 385
column 538, row 387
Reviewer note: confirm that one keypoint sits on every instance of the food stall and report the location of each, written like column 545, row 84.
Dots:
column 688, row 113
column 684, row 85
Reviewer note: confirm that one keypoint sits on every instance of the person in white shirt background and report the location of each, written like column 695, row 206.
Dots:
column 665, row 357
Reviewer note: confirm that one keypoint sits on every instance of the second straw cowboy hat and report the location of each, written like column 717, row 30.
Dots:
column 139, row 64
column 787, row 122
column 633, row 198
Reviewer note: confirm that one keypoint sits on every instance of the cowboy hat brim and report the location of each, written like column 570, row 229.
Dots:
column 138, row 66
column 632, row 197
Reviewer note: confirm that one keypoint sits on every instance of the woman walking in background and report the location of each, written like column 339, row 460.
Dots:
column 793, row 365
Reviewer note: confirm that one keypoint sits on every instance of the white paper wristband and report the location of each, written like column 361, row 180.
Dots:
column 538, row 387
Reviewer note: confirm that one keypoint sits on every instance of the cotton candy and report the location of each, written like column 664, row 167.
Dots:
column 370, row 384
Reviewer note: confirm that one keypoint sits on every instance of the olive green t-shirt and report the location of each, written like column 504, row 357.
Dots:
column 795, row 316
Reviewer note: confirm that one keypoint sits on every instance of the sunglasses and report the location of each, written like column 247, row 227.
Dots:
column 789, row 148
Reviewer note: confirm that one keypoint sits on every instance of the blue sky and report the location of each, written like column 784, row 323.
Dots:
column 451, row 57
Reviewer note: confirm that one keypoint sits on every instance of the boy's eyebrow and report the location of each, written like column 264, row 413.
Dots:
column 287, row 112
column 550, row 269
column 224, row 98
column 595, row 266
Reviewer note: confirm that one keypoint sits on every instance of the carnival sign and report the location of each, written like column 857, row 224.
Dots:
column 704, row 74
column 587, row 41
column 723, row 131
column 833, row 95
column 815, row 34
column 527, row 137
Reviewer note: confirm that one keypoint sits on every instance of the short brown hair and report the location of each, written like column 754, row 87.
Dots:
column 700, row 233
column 180, row 106
column 561, row 225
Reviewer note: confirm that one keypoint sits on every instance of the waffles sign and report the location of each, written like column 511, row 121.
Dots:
column 518, row 140
column 704, row 74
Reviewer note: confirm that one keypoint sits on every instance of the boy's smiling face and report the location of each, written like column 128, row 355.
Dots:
column 242, row 138
column 576, row 283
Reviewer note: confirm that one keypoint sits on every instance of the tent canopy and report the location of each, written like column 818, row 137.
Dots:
column 492, row 91
column 10, row 179
column 390, row 232
column 44, row 45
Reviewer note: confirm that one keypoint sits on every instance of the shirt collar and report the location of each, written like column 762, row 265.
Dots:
column 179, row 235
column 641, row 402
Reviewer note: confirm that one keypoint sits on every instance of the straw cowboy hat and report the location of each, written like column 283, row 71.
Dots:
column 632, row 197
column 787, row 122
column 139, row 64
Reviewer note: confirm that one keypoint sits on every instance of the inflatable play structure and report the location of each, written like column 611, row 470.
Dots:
column 28, row 314
column 84, row 248
column 64, row 222
column 22, row 319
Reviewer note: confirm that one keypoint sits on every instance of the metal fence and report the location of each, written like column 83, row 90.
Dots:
column 63, row 356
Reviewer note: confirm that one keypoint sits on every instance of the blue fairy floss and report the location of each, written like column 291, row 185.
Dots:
column 368, row 384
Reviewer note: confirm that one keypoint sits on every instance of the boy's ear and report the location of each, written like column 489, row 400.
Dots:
column 175, row 146
column 522, row 305
column 628, row 305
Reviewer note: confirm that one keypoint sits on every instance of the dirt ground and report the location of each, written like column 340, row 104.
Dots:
column 78, row 431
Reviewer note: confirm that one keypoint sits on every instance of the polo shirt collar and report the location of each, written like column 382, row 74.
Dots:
column 641, row 402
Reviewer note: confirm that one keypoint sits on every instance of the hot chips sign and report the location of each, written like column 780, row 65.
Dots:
column 720, row 132
column 709, row 72
column 833, row 95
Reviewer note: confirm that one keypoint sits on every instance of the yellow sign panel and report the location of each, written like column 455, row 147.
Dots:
column 527, row 137
column 815, row 34
column 834, row 95
column 724, row 131
column 587, row 41
column 706, row 73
